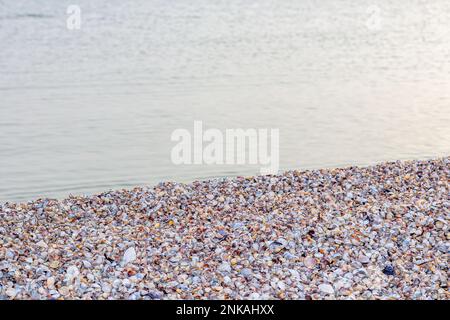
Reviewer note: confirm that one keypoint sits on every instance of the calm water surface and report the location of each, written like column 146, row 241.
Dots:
column 89, row 110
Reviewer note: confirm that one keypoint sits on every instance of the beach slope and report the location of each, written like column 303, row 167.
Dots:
column 378, row 232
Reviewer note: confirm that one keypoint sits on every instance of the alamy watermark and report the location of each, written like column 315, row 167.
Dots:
column 232, row 147
column 73, row 21
column 374, row 21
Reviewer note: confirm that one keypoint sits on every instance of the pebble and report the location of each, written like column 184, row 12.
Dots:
column 227, row 280
column 42, row 244
column 129, row 256
column 72, row 273
column 364, row 259
column 106, row 288
column 310, row 262
column 389, row 270
column 255, row 296
column 326, row 288
column 247, row 273
column 224, row 267
column 64, row 291
column 294, row 273
column 11, row 293
column 50, row 282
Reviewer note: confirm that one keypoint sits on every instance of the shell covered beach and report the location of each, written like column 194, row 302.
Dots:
column 379, row 232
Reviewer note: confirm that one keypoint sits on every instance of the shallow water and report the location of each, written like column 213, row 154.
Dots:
column 88, row 110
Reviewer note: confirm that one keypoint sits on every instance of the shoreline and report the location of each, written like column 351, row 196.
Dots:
column 214, row 179
column 375, row 232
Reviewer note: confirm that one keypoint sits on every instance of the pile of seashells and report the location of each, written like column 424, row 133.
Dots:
column 380, row 232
